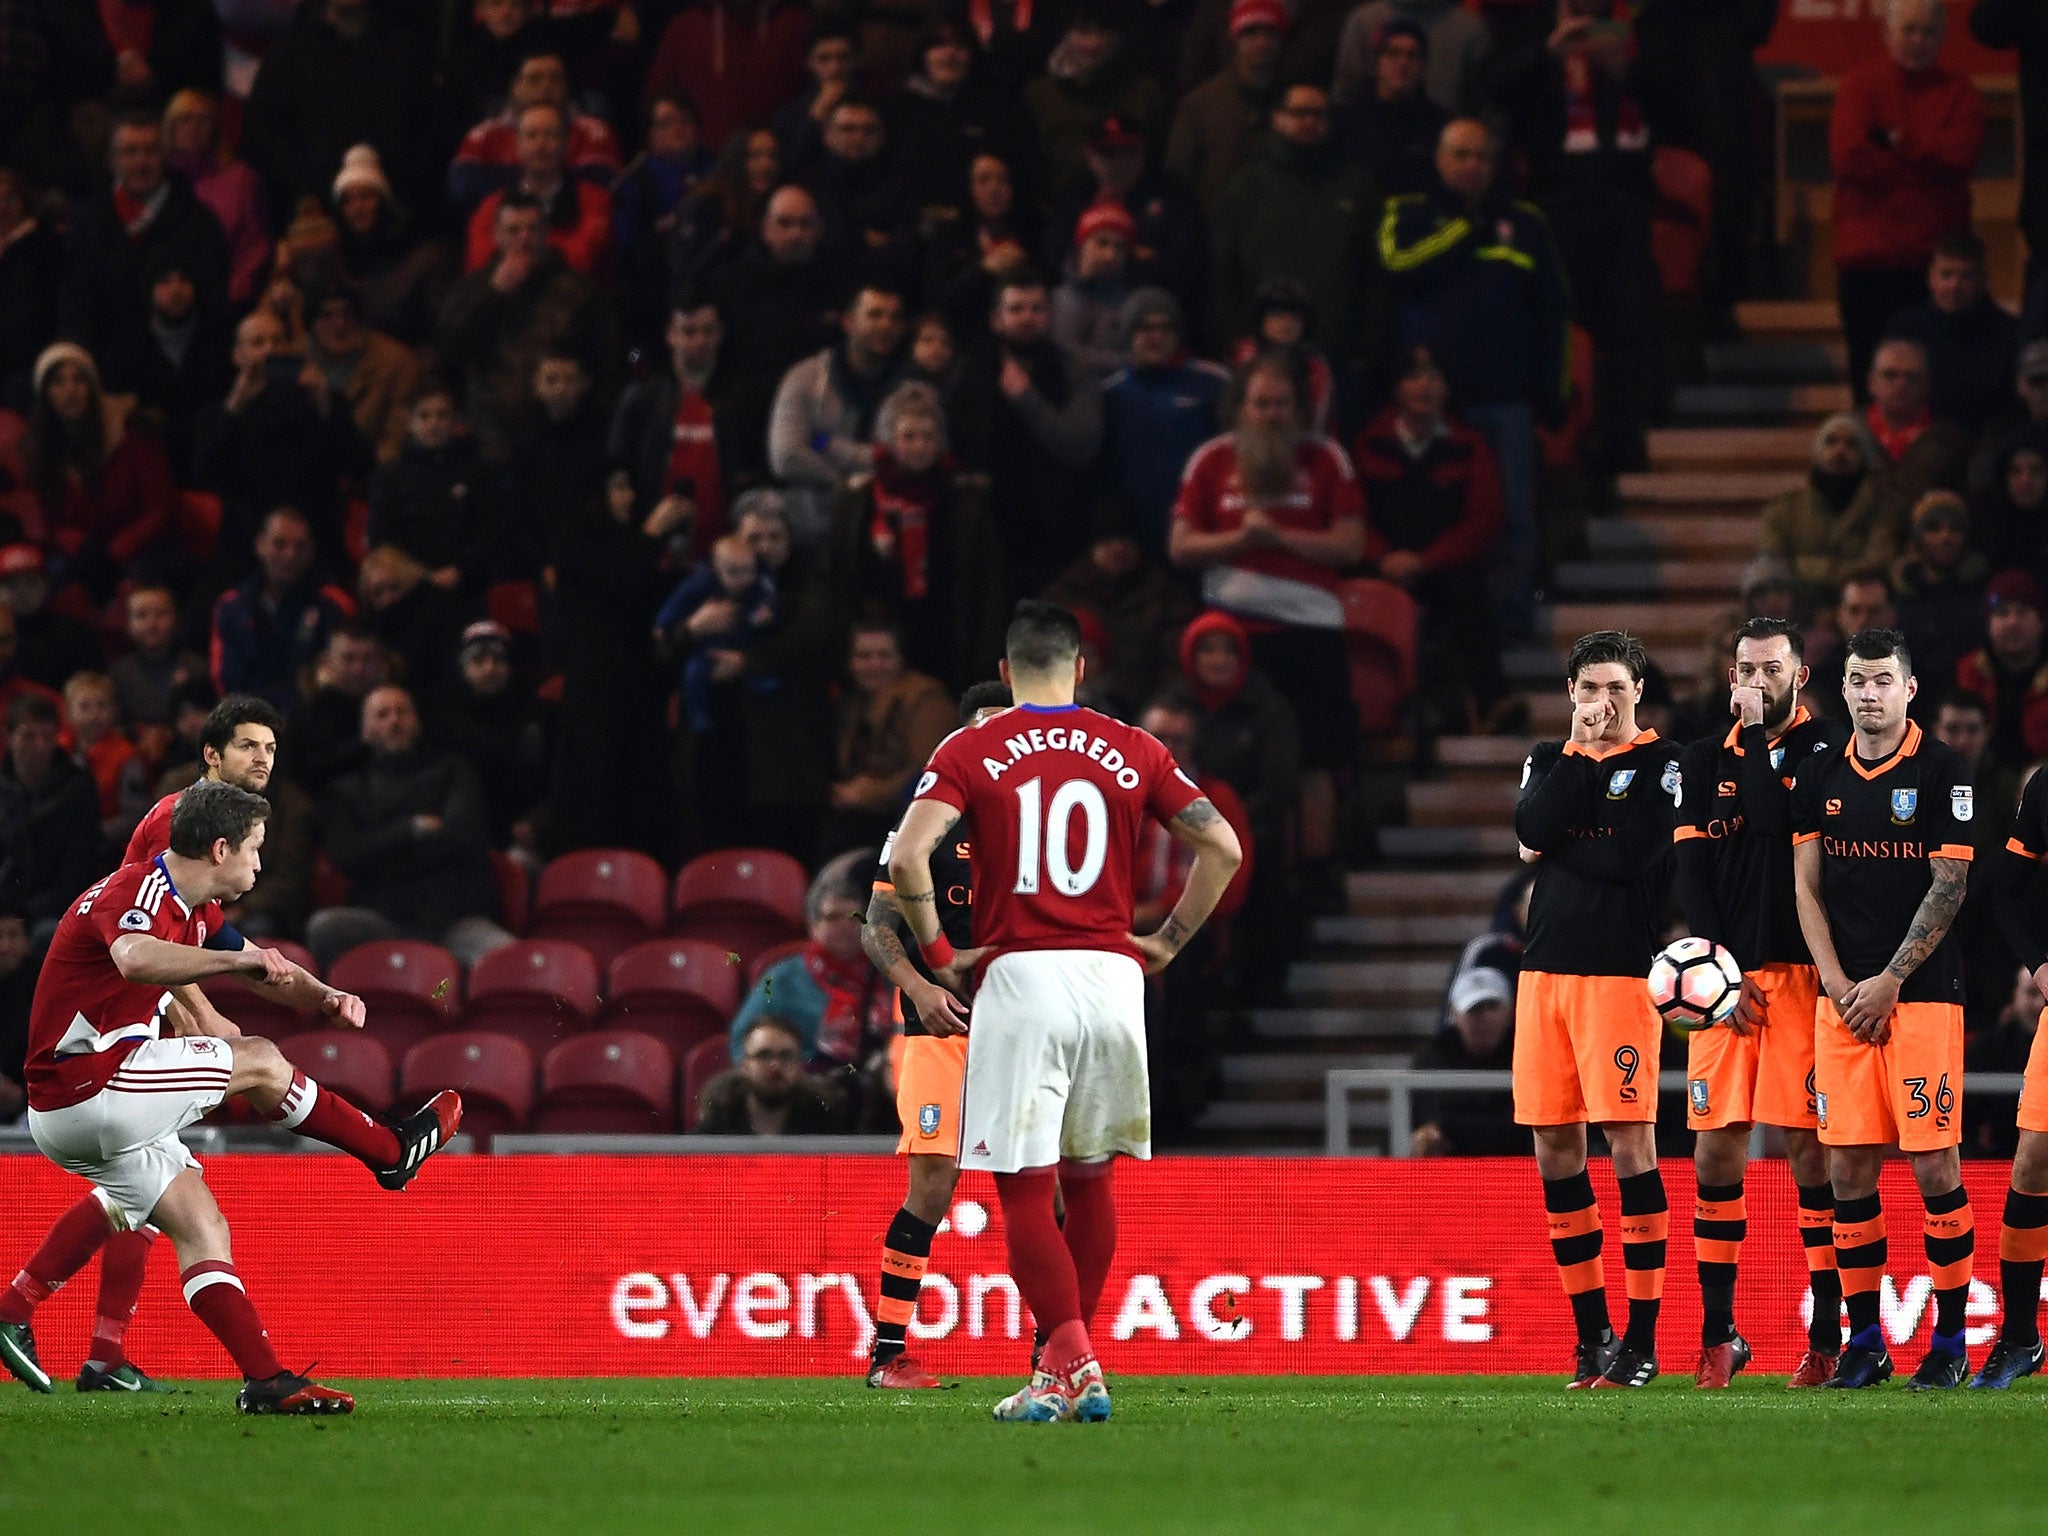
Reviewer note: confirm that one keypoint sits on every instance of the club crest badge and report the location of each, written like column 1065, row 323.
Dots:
column 1617, row 786
column 928, row 1121
column 1904, row 803
column 1697, row 1088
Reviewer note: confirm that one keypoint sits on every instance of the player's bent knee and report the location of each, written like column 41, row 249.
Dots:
column 2030, row 1164
column 259, row 1064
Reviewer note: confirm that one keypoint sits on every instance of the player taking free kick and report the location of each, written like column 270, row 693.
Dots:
column 1881, row 858
column 109, row 1089
column 1595, row 816
column 1055, row 798
column 1735, row 883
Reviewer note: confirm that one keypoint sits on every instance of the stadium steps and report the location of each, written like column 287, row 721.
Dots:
column 1369, row 988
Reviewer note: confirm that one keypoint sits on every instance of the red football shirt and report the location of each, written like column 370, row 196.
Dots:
column 87, row 1018
column 153, row 834
column 1325, row 493
column 1057, row 798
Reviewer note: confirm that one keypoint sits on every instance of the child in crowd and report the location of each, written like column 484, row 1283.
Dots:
column 94, row 738
column 719, row 608
column 147, row 679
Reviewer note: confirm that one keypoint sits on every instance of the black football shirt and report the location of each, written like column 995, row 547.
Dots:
column 1878, row 824
column 1602, row 822
column 953, row 897
column 1734, row 837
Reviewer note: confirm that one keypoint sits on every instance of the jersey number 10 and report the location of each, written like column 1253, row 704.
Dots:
column 1042, row 835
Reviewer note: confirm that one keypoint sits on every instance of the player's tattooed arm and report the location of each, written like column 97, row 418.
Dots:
column 878, row 935
column 1930, row 924
column 1198, row 815
column 926, row 825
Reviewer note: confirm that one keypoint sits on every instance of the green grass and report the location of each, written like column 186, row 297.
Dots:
column 1413, row 1455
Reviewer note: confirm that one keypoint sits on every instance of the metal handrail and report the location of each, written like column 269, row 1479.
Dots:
column 1400, row 1083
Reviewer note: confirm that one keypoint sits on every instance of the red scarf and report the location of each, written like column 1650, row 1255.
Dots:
column 901, row 524
column 1894, row 441
column 854, row 1006
column 693, row 457
column 1581, row 112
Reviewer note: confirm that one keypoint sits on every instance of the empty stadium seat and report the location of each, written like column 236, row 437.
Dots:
column 513, row 889
column 493, row 1073
column 1380, row 621
column 706, row 1060
column 773, row 955
column 538, row 991
column 514, row 604
column 258, row 1013
column 412, row 989
column 606, row 899
column 742, row 898
column 613, row 1080
column 352, row 1064
column 679, row 991
column 1682, row 219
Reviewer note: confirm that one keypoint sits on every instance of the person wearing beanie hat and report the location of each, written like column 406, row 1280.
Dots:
column 1830, row 525
column 1087, row 307
column 1456, row 46
column 361, row 171
column 1172, row 243
column 2010, row 671
column 1939, row 587
column 1157, row 409
column 402, row 275
column 1218, row 121
column 116, row 234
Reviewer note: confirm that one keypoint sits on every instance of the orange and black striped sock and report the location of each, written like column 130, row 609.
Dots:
column 1645, row 1224
column 1720, row 1221
column 2022, row 1248
column 1951, row 1238
column 1575, row 1239
column 1817, row 1236
column 1860, row 1257
column 905, row 1252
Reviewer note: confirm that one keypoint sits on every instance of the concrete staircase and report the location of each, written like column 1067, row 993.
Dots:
column 1370, row 987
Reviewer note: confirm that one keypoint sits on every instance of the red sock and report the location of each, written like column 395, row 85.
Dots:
column 214, row 1293
column 1039, row 1261
column 122, row 1266
column 324, row 1115
column 76, row 1237
column 1090, row 1231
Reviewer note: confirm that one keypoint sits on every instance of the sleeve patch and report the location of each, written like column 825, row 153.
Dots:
column 135, row 920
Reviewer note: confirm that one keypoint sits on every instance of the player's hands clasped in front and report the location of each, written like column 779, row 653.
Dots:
column 269, row 966
column 953, row 977
column 344, row 1010
column 1866, row 1008
column 1749, row 1009
column 941, row 1013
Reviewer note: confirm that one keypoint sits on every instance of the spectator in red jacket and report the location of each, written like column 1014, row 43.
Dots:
column 578, row 216
column 2011, row 672
column 489, row 158
column 1904, row 138
column 1433, row 517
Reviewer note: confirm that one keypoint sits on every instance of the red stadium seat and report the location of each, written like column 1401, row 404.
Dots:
column 198, row 522
column 1380, row 640
column 516, row 605
column 614, row 1080
column 330, row 885
column 513, row 889
column 606, row 899
column 679, row 991
column 412, row 989
column 742, row 898
column 1682, row 219
column 1561, row 444
column 493, row 1074
column 706, row 1060
column 352, row 1064
column 537, row 991
column 772, row 956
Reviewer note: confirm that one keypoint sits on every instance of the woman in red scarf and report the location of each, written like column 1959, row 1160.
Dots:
column 913, row 543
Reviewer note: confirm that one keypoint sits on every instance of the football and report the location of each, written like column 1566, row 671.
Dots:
column 1694, row 983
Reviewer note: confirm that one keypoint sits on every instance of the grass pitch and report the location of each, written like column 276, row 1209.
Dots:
column 1413, row 1455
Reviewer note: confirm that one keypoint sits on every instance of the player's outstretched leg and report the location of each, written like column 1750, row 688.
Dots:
column 123, row 1264
column 214, row 1292
column 77, row 1235
column 1860, row 1254
column 1824, row 1329
column 2022, row 1246
column 283, row 1094
column 1044, row 1271
column 1951, row 1239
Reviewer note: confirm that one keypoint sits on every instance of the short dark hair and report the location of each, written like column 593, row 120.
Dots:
column 1607, row 645
column 231, row 714
column 1773, row 629
column 1961, row 245
column 210, row 811
column 431, row 386
column 1041, row 636
column 31, row 709
column 1880, row 645
column 518, row 198
column 1963, row 698
column 1016, row 277
column 988, row 695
